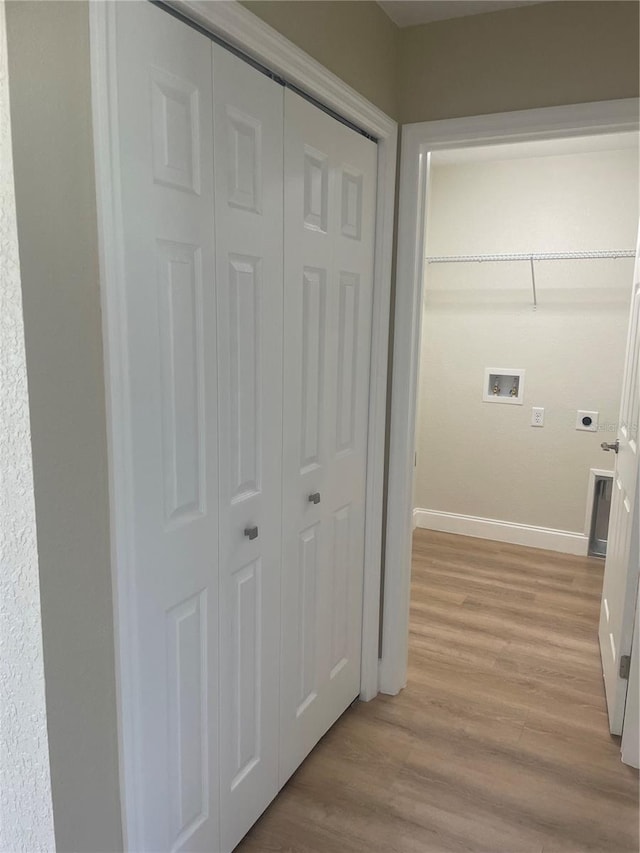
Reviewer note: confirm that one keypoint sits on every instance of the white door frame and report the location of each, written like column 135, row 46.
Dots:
column 418, row 141
column 238, row 27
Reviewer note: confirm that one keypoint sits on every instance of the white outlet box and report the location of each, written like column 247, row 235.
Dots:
column 537, row 416
column 587, row 421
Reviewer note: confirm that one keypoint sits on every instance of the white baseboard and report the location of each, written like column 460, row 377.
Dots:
column 502, row 531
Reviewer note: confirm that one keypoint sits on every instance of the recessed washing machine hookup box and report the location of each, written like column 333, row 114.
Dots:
column 503, row 385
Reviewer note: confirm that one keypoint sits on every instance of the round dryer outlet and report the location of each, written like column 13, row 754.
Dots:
column 587, row 421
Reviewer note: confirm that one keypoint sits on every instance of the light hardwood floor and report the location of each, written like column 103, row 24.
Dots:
column 498, row 744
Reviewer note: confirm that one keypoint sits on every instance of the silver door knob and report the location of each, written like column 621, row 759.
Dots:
column 251, row 532
column 314, row 498
column 615, row 446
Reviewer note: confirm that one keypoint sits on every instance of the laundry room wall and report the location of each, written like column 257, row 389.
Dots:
column 484, row 459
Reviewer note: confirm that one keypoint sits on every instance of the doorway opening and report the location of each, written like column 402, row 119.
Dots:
column 529, row 258
column 421, row 143
column 507, row 271
column 528, row 263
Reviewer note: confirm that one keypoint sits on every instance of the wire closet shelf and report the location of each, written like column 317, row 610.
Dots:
column 531, row 258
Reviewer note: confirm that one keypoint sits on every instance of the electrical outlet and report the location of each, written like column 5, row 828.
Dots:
column 537, row 416
column 587, row 421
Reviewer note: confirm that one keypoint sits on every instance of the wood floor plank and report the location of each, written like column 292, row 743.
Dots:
column 498, row 744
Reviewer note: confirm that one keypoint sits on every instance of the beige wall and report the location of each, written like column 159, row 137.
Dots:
column 55, row 199
column 516, row 59
column 484, row 459
column 355, row 40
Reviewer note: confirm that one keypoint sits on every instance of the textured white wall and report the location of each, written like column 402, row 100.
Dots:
column 484, row 459
column 26, row 816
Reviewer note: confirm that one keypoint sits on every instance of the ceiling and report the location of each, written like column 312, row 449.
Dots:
column 408, row 13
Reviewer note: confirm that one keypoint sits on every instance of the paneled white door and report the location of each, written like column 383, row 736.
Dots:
column 165, row 148
column 248, row 156
column 330, row 188
column 621, row 566
column 247, row 426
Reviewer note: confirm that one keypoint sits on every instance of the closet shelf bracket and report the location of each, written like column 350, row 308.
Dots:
column 533, row 283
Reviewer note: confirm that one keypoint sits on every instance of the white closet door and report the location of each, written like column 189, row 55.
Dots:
column 248, row 152
column 330, row 188
column 166, row 185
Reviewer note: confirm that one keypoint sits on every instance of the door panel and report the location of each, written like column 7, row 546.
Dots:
column 305, row 617
column 180, row 322
column 166, row 185
column 248, row 151
column 188, row 731
column 340, row 577
column 621, row 567
column 314, row 294
column 330, row 175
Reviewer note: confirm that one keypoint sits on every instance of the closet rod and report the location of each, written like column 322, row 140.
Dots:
column 531, row 256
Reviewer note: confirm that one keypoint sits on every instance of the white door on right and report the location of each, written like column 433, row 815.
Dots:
column 621, row 567
column 329, row 202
